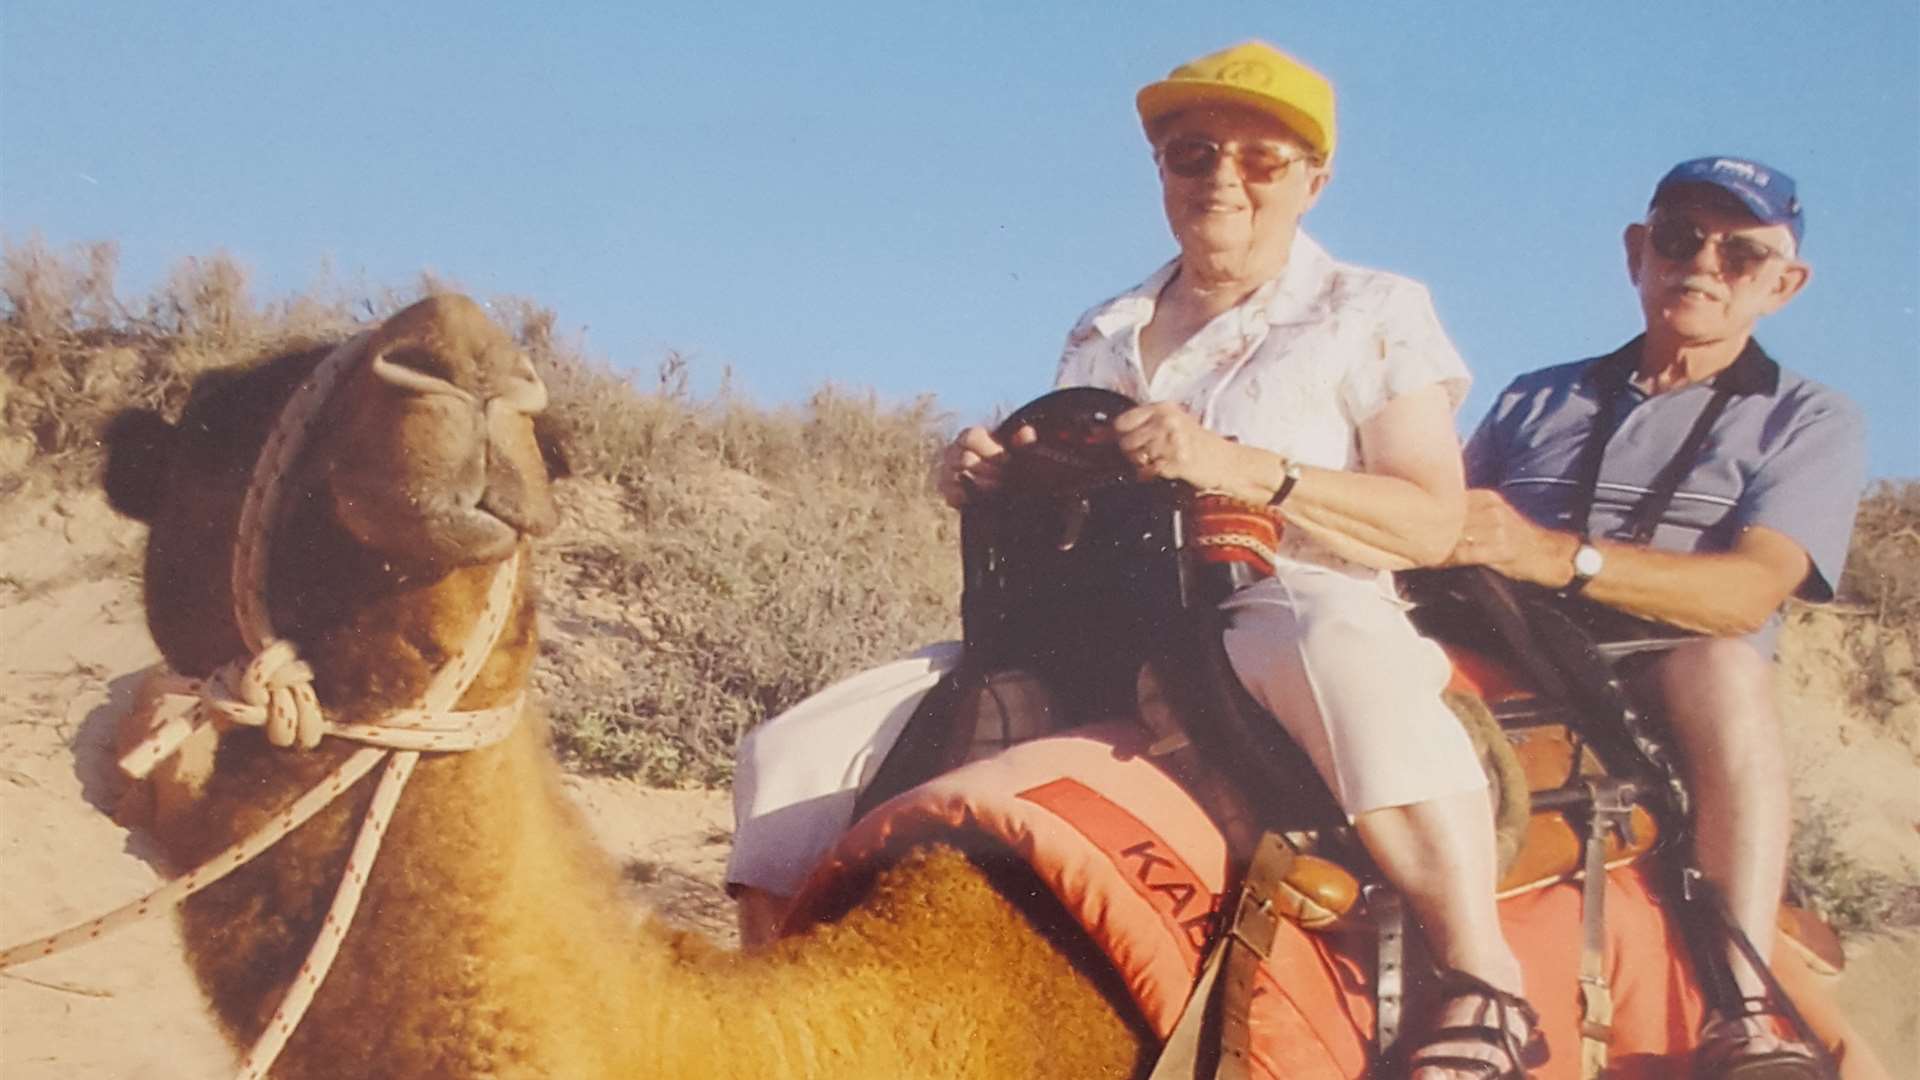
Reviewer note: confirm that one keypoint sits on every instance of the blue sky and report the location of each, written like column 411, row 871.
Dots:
column 921, row 199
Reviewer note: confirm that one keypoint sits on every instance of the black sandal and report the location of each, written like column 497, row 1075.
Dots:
column 1523, row 1050
column 1726, row 1050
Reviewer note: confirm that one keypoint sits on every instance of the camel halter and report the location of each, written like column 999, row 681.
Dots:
column 273, row 689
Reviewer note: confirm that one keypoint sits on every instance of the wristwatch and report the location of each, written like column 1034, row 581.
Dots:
column 1587, row 562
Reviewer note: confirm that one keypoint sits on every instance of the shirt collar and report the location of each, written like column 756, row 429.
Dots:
column 1752, row 372
column 1277, row 301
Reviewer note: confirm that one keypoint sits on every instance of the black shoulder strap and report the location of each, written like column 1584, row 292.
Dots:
column 1593, row 452
column 1646, row 514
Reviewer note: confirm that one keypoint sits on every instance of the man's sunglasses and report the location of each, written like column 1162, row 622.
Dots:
column 1193, row 156
column 1679, row 239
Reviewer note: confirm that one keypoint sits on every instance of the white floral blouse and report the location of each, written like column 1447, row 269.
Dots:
column 1295, row 368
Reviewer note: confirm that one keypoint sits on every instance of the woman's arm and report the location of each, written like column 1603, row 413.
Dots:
column 1403, row 511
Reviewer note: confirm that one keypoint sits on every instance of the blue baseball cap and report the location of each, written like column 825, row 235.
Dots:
column 1762, row 189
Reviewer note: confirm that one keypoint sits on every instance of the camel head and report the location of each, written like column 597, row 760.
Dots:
column 421, row 466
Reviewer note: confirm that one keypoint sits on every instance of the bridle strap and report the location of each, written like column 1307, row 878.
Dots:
column 261, row 509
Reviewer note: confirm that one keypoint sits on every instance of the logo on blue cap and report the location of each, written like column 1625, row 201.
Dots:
column 1762, row 189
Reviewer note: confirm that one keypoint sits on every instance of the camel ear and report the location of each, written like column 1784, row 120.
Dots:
column 138, row 442
column 552, row 437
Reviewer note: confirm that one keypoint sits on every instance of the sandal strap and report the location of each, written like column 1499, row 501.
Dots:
column 1485, row 1033
column 1481, row 1067
column 1521, row 1049
column 1726, row 1051
column 1750, row 1005
column 1455, row 983
column 1491, row 1037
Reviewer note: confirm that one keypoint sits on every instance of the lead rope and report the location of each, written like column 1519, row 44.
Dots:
column 273, row 689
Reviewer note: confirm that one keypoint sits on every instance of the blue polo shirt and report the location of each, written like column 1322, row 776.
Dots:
column 1788, row 454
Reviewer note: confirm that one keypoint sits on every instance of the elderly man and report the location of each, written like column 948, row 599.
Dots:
column 1687, row 478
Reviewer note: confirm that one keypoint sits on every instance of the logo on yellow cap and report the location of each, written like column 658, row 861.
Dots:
column 1253, row 74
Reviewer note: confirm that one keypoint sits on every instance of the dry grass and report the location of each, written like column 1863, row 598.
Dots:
column 1883, row 566
column 770, row 552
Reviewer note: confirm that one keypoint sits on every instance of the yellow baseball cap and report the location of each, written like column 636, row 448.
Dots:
column 1254, row 74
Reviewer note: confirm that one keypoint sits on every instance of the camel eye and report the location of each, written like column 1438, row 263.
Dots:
column 424, row 361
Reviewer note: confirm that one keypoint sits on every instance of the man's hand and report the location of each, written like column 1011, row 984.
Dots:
column 972, row 463
column 1722, row 593
column 1498, row 536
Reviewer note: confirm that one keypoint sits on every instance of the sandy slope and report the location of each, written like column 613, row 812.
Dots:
column 72, row 642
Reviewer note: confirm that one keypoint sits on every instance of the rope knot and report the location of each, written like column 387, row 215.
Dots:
column 273, row 690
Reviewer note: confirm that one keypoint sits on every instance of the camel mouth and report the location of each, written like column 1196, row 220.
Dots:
column 532, row 518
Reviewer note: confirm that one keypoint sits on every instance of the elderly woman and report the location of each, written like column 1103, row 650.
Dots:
column 1276, row 375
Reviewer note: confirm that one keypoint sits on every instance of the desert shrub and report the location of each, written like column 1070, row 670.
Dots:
column 1883, row 565
column 770, row 552
column 1882, row 579
column 1827, row 879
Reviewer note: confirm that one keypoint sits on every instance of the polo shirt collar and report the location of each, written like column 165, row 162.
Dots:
column 1752, row 372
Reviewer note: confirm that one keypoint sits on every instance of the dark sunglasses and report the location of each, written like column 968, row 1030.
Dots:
column 1679, row 239
column 1194, row 156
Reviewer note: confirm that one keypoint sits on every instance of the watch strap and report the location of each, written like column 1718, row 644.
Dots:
column 1289, row 476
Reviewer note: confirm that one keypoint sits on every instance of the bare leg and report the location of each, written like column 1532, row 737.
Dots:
column 761, row 914
column 1718, row 696
column 1440, row 855
column 1310, row 649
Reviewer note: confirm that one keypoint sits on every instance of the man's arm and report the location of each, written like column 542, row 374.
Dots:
column 1724, row 594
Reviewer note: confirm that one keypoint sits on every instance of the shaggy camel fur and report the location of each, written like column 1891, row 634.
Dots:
column 492, row 939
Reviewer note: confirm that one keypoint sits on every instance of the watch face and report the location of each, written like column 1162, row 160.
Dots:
column 1586, row 560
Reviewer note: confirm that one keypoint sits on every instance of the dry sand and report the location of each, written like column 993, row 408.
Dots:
column 72, row 645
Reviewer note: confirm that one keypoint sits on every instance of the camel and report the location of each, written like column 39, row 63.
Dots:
column 492, row 938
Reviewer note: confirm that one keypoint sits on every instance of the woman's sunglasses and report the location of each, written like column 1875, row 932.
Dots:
column 1679, row 239
column 1193, row 156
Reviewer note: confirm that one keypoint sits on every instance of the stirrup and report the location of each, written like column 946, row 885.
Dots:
column 1522, row 1051
column 1726, row 1052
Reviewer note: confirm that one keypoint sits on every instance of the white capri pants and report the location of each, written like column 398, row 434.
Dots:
column 795, row 777
column 1337, row 662
column 1332, row 657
